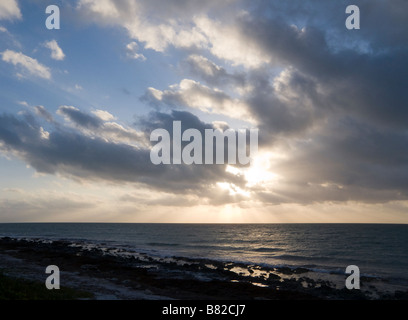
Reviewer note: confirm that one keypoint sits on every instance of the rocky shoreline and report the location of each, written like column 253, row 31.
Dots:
column 114, row 274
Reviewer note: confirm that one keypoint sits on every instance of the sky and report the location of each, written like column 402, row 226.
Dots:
column 78, row 105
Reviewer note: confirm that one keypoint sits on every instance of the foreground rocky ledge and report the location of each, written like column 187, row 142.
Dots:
column 112, row 273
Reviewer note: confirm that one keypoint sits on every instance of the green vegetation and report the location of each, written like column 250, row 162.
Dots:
column 20, row 289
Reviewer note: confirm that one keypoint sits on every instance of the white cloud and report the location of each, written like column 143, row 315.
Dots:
column 204, row 65
column 56, row 51
column 101, row 124
column 177, row 24
column 103, row 115
column 28, row 64
column 104, row 8
column 23, row 103
column 9, row 10
column 174, row 28
column 227, row 42
column 195, row 95
column 44, row 134
column 74, row 89
column 9, row 39
column 115, row 132
column 132, row 51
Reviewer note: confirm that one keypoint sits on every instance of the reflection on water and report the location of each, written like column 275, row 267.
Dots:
column 376, row 249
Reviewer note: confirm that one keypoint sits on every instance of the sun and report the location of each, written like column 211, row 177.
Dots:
column 259, row 171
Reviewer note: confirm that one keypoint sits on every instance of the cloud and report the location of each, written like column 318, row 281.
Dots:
column 41, row 111
column 336, row 110
column 82, row 156
column 131, row 15
column 226, row 41
column 344, row 77
column 287, row 106
column 78, row 117
column 132, row 53
column 9, row 39
column 330, row 104
column 70, row 152
column 9, row 10
column 103, row 115
column 56, row 51
column 359, row 154
column 188, row 120
column 43, row 208
column 343, row 161
column 161, row 199
column 100, row 124
column 212, row 73
column 192, row 94
column 176, row 23
column 23, row 103
column 27, row 64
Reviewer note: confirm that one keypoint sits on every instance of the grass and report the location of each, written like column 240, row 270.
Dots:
column 20, row 289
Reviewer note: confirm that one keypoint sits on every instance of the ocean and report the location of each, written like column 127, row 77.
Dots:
column 379, row 250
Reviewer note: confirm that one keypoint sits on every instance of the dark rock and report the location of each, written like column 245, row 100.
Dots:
column 273, row 276
column 300, row 270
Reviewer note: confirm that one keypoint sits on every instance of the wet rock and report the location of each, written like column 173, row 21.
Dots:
column 300, row 270
column 273, row 276
column 401, row 295
column 285, row 270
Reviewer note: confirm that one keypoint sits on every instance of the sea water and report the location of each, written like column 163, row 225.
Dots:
column 379, row 250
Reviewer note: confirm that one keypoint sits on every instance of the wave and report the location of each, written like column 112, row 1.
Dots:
column 162, row 244
column 264, row 249
column 280, row 245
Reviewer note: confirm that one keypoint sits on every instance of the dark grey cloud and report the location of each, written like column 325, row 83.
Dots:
column 41, row 111
column 165, row 121
column 71, row 152
column 329, row 16
column 366, row 84
column 345, row 104
column 189, row 121
column 287, row 107
column 80, row 118
column 74, row 154
column 358, row 154
column 349, row 161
